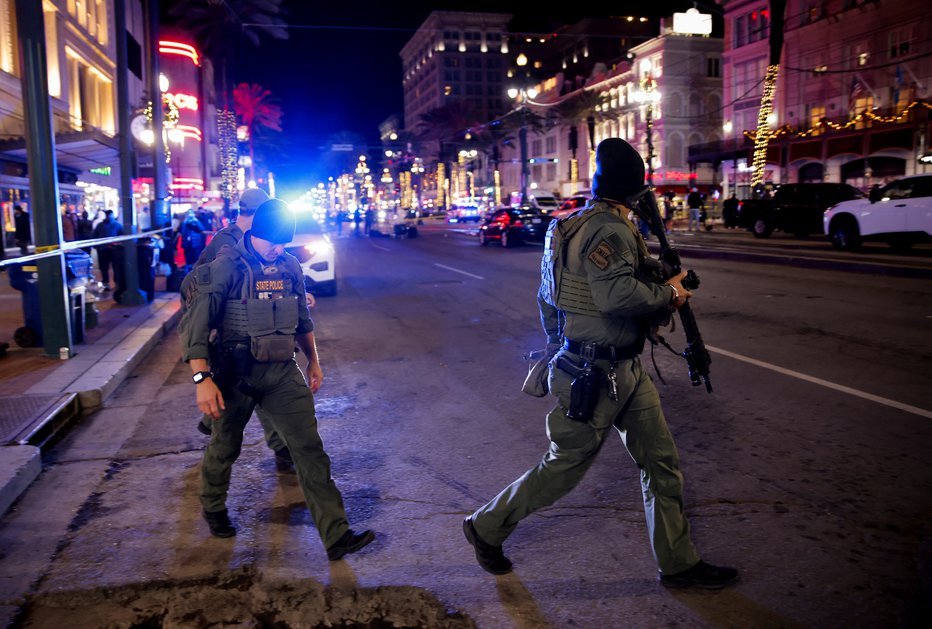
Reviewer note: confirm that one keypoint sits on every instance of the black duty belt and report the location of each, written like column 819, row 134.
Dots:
column 592, row 351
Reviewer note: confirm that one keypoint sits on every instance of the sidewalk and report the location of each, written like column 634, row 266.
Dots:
column 40, row 395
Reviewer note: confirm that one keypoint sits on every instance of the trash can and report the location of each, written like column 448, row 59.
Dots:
column 25, row 278
column 147, row 260
column 79, row 271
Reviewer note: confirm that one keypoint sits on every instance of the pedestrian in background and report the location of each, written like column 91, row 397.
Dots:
column 85, row 227
column 107, row 228
column 23, row 229
column 694, row 203
column 193, row 239
column 595, row 308
column 249, row 202
column 255, row 292
column 69, row 225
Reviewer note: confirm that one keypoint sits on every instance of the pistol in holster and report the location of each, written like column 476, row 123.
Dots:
column 232, row 363
column 585, row 389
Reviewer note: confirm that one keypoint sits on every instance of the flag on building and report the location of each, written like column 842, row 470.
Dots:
column 897, row 88
column 856, row 92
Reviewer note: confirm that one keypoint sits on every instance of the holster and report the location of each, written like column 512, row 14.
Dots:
column 585, row 389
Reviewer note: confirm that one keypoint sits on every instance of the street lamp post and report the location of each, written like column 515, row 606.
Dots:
column 648, row 94
column 521, row 96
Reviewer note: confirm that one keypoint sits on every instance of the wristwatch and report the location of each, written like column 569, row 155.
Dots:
column 200, row 376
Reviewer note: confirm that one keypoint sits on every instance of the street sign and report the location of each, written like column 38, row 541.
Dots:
column 341, row 147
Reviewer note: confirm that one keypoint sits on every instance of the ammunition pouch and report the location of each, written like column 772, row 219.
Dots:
column 585, row 389
column 273, row 348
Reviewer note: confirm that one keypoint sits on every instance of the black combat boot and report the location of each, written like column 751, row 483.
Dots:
column 219, row 523
column 284, row 464
column 702, row 575
column 348, row 543
column 491, row 558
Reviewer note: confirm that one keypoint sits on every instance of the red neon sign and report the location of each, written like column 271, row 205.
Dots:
column 189, row 132
column 182, row 101
column 177, row 48
column 187, row 183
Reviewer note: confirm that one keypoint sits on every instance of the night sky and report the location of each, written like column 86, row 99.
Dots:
column 340, row 69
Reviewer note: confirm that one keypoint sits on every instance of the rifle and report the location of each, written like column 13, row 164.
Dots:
column 697, row 356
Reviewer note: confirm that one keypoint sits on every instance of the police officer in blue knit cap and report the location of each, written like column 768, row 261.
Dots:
column 596, row 309
column 253, row 295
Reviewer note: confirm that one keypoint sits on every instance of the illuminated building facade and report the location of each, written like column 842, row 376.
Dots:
column 851, row 99
column 191, row 133
column 81, row 53
column 456, row 56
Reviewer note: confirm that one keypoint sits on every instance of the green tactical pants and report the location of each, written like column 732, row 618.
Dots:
column 289, row 406
column 639, row 420
column 272, row 439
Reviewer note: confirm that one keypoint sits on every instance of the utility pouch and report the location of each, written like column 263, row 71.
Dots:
column 276, row 348
column 585, row 389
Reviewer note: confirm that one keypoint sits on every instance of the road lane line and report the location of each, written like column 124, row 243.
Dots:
column 379, row 247
column 450, row 268
column 915, row 410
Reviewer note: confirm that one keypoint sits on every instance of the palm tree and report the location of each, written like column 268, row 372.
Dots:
column 576, row 108
column 220, row 26
column 254, row 107
column 448, row 123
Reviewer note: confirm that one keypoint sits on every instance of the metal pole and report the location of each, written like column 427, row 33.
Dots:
column 650, row 142
column 130, row 295
column 159, row 211
column 525, row 169
column 43, row 178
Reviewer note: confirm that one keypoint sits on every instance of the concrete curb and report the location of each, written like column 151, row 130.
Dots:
column 92, row 375
column 19, row 466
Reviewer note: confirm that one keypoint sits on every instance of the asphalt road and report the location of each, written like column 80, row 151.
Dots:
column 807, row 468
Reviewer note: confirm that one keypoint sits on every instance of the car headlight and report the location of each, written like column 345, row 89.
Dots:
column 318, row 248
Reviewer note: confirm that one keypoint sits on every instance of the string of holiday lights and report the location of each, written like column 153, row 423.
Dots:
column 226, row 138
column 824, row 123
column 761, row 140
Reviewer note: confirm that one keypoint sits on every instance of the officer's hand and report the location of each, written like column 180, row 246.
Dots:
column 682, row 294
column 311, row 302
column 315, row 375
column 209, row 399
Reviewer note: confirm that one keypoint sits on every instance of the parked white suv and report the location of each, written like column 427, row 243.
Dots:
column 900, row 214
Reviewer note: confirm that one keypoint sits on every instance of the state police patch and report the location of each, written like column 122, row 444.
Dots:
column 601, row 255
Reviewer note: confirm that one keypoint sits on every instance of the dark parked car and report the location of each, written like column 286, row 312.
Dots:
column 514, row 226
column 795, row 208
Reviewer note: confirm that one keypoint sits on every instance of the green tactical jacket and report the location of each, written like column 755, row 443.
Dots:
column 218, row 281
column 605, row 252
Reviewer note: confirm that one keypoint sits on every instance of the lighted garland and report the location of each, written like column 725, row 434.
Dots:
column 766, row 108
column 866, row 114
column 226, row 137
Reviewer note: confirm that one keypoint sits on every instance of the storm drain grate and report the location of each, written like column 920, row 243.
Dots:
column 23, row 417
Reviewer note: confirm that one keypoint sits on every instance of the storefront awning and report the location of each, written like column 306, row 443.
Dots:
column 78, row 150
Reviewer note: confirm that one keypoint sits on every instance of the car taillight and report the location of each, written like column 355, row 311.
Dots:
column 519, row 223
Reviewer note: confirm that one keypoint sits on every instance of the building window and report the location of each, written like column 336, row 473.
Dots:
column 91, row 15
column 535, row 148
column 814, row 115
column 90, row 95
column 900, row 42
column 714, row 67
column 8, row 60
column 551, row 172
column 551, row 144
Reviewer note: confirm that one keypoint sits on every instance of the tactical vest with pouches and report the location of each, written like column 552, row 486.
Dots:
column 566, row 291
column 267, row 311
